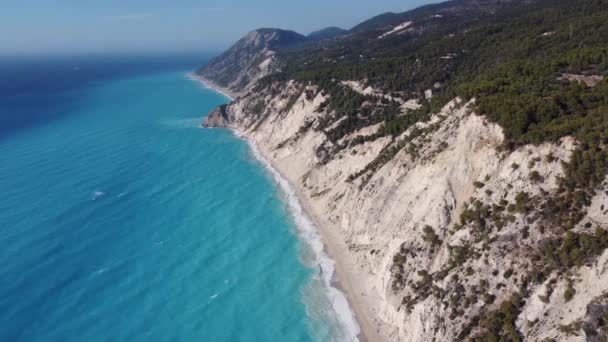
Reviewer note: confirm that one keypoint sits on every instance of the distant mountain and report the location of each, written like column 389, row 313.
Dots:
column 327, row 33
column 249, row 59
column 464, row 10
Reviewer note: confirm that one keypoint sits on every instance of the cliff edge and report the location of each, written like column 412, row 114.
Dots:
column 459, row 181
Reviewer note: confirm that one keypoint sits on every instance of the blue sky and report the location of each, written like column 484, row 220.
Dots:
column 93, row 26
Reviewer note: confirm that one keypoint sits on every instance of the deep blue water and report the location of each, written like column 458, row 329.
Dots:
column 122, row 220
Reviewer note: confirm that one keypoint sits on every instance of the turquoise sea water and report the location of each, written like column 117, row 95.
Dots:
column 121, row 219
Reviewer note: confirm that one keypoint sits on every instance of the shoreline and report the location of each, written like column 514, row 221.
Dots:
column 361, row 326
column 341, row 277
column 213, row 86
column 309, row 228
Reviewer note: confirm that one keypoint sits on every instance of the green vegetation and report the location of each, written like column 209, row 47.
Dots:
column 498, row 325
column 430, row 236
column 535, row 176
column 398, row 269
column 507, row 63
column 459, row 255
column 477, row 215
column 478, row 184
column 574, row 250
column 533, row 106
column 569, row 291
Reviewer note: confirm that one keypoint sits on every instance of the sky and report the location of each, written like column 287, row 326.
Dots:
column 97, row 26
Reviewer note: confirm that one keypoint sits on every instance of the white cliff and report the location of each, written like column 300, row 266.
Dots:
column 411, row 270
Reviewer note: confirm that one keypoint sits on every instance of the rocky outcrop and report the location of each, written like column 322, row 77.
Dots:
column 218, row 118
column 250, row 59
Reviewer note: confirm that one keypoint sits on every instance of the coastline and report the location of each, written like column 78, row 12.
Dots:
column 336, row 275
column 340, row 279
column 214, row 86
column 308, row 227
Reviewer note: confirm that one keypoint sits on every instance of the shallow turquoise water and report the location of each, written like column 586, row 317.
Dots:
column 125, row 221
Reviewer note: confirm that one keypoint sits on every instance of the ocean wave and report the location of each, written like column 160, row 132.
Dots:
column 312, row 238
column 194, row 122
column 97, row 195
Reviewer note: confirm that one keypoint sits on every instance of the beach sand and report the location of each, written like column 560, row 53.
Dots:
column 346, row 281
column 214, row 86
column 343, row 281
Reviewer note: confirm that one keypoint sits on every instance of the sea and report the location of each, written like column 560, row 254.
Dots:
column 122, row 220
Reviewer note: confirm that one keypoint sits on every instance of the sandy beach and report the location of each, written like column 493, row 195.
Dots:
column 323, row 245
column 214, row 86
column 344, row 280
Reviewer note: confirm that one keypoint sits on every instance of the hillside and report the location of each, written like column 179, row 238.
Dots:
column 456, row 158
column 251, row 58
column 464, row 10
column 326, row 33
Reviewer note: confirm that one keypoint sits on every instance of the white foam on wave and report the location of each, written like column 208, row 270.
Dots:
column 312, row 237
column 97, row 195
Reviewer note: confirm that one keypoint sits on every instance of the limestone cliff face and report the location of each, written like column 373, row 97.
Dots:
column 218, row 118
column 249, row 59
column 421, row 268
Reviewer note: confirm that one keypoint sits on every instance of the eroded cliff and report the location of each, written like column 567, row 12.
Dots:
column 457, row 169
column 446, row 231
